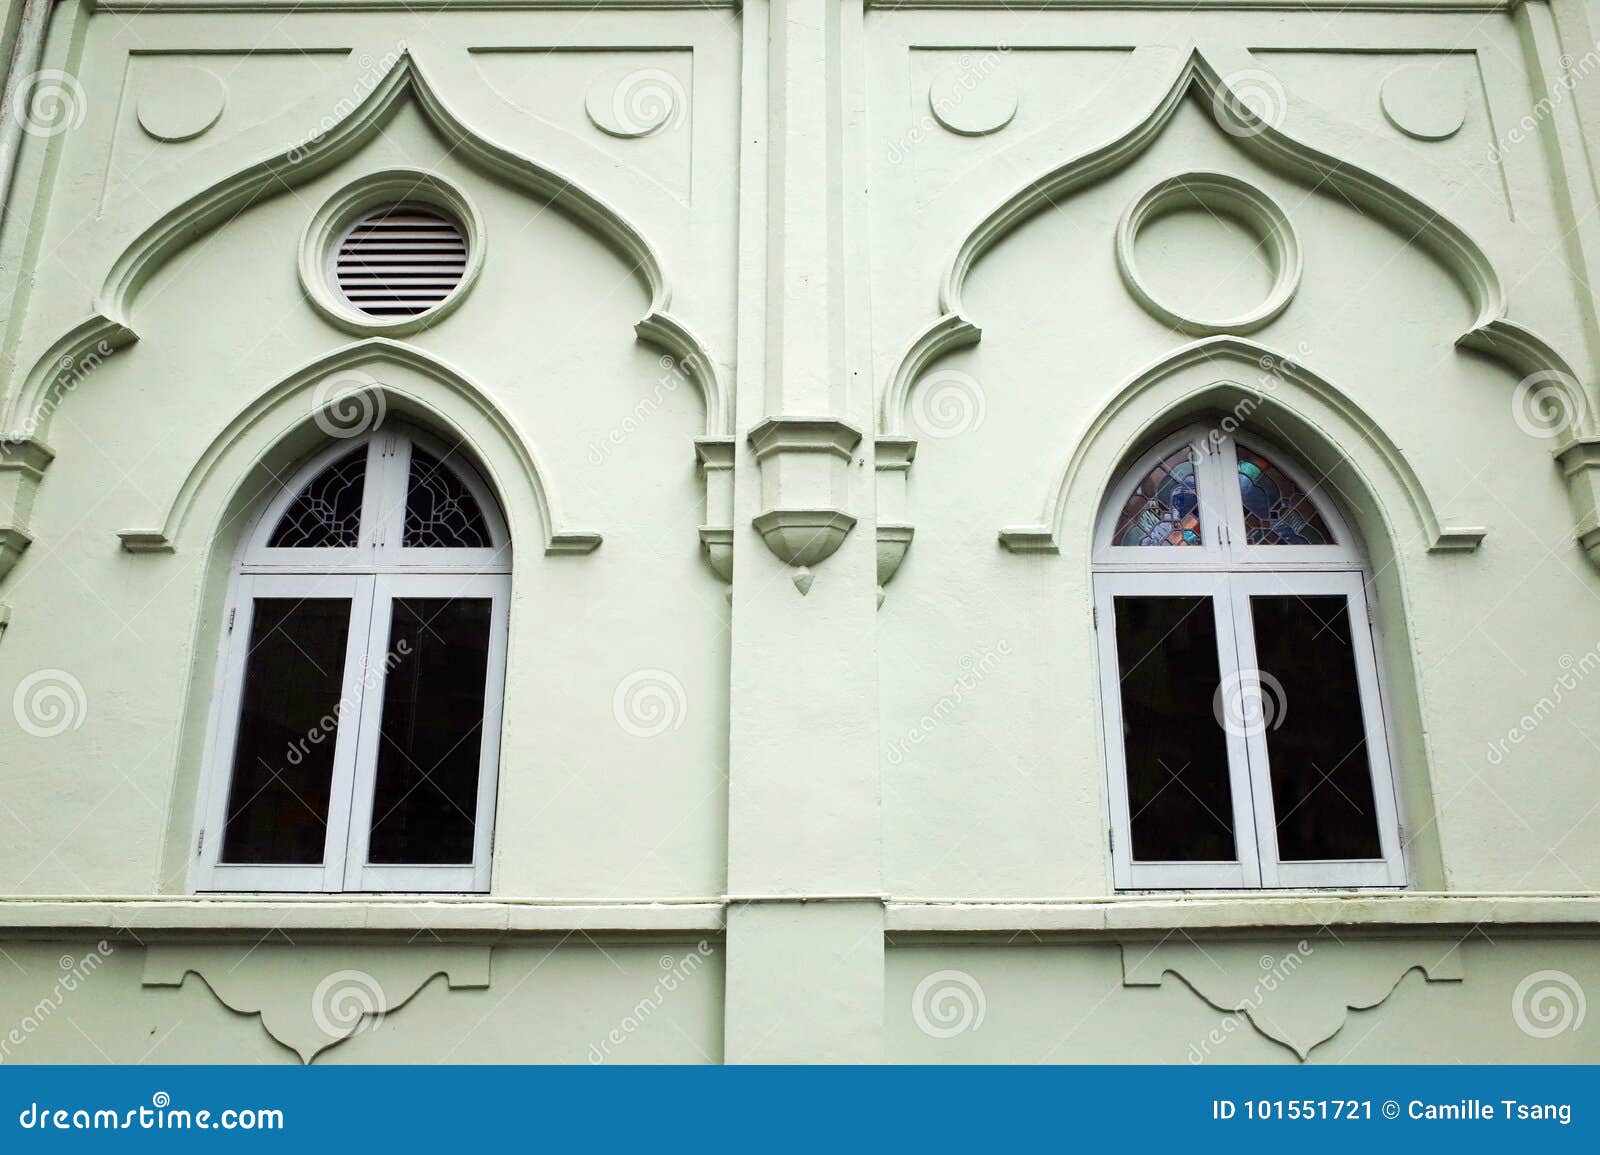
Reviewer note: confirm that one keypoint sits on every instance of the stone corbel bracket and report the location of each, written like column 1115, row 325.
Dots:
column 1580, row 465
column 715, row 455
column 22, row 464
column 894, row 457
column 805, row 476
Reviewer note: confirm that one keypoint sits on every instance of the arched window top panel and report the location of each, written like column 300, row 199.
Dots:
column 396, row 498
column 354, row 740
column 1222, row 502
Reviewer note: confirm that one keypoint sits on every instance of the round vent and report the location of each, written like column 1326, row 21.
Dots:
column 400, row 260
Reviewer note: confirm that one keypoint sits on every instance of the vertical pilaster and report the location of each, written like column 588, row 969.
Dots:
column 805, row 922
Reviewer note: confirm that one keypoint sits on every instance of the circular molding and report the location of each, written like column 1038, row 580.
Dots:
column 181, row 103
column 340, row 211
column 1226, row 196
column 972, row 107
column 1423, row 102
column 639, row 103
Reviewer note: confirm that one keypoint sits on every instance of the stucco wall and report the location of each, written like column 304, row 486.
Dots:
column 881, row 775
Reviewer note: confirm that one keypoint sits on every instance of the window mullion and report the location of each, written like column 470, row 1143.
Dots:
column 1253, row 821
column 366, row 629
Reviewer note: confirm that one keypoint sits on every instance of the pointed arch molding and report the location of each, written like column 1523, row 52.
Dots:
column 1227, row 364
column 356, row 373
column 27, row 415
column 1490, row 333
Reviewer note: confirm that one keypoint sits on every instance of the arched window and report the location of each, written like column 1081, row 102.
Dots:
column 356, row 733
column 1244, row 723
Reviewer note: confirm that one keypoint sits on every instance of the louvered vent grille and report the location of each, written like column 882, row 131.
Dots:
column 400, row 260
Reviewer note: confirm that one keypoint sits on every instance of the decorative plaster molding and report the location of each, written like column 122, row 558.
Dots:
column 803, row 537
column 57, row 371
column 1219, row 195
column 715, row 455
column 28, row 457
column 804, row 522
column 1298, row 993
column 13, row 543
column 893, row 456
column 1239, row 360
column 1490, row 332
column 1580, row 465
column 366, row 356
column 313, row 996
column 182, row 104
column 338, row 212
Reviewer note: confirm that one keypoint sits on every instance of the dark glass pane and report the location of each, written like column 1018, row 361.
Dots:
column 288, row 723
column 1164, row 508
column 327, row 512
column 440, row 512
column 1177, row 754
column 426, row 800
column 1276, row 510
column 1316, row 739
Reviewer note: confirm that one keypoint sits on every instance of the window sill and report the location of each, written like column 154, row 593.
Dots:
column 1112, row 917
column 1125, row 915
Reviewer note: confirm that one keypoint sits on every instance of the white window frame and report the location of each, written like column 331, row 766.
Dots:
column 371, row 575
column 1229, row 571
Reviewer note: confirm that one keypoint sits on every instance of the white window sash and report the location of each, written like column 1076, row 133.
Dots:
column 474, row 876
column 210, row 872
column 1128, row 873
column 1389, row 868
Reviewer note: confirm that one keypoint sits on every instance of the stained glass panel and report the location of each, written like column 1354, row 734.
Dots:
column 440, row 512
column 1276, row 510
column 1164, row 508
column 327, row 513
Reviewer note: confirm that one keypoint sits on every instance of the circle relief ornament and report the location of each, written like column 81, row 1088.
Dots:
column 180, row 103
column 636, row 103
column 1424, row 101
column 971, row 97
column 1213, row 197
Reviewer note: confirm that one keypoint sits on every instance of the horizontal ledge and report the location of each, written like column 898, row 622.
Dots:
column 1161, row 914
column 1207, row 5
column 146, row 6
column 463, row 917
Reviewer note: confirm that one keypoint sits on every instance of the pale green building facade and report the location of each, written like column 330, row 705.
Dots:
column 816, row 384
